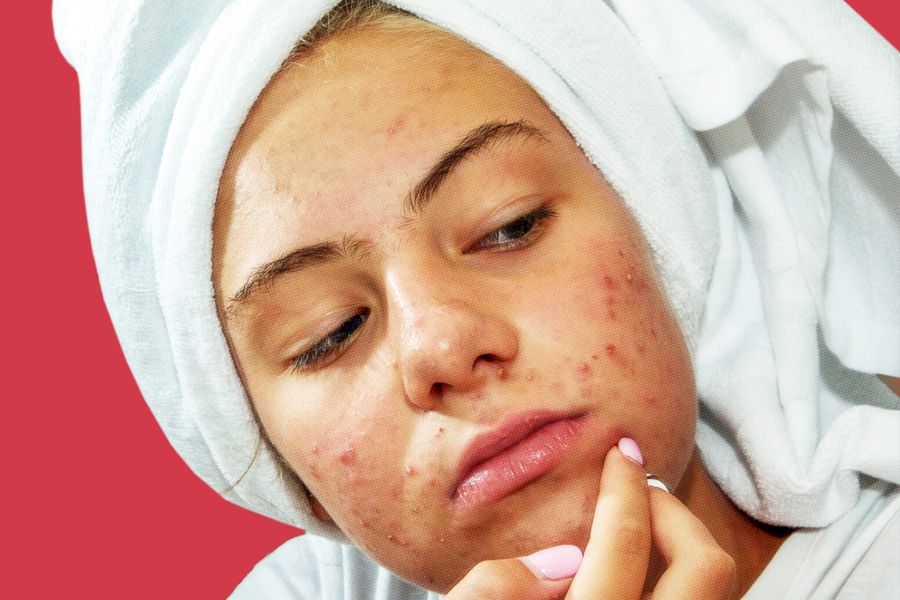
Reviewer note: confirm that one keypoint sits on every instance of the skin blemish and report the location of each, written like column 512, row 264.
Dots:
column 582, row 371
column 621, row 252
column 641, row 348
column 594, row 357
column 609, row 283
column 653, row 332
column 502, row 374
column 315, row 450
column 432, row 482
column 611, row 314
column 610, row 300
column 610, row 349
column 395, row 126
column 347, row 456
column 629, row 278
column 411, row 471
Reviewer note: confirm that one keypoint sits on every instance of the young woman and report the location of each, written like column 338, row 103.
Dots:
column 447, row 287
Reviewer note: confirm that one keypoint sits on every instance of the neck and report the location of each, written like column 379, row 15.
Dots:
column 750, row 543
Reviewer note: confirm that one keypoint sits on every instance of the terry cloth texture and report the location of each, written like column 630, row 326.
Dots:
column 756, row 142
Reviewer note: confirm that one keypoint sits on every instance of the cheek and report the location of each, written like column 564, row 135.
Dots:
column 344, row 457
column 634, row 359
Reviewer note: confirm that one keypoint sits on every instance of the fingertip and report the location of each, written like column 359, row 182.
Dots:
column 630, row 449
column 555, row 563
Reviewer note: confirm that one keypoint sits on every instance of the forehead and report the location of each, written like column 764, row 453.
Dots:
column 337, row 140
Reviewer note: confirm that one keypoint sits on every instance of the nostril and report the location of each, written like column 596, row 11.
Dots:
column 436, row 391
column 491, row 358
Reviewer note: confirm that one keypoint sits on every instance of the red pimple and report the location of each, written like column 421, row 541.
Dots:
column 347, row 456
column 611, row 314
column 610, row 300
column 609, row 283
column 641, row 347
column 610, row 349
column 395, row 126
column 411, row 470
column 502, row 374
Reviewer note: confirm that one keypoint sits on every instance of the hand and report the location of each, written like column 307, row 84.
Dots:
column 629, row 520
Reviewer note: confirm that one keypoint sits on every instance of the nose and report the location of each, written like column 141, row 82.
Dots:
column 451, row 340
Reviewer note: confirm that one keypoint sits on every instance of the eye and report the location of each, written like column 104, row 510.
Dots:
column 520, row 232
column 329, row 346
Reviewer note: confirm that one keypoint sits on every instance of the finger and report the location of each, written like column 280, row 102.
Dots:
column 697, row 565
column 544, row 575
column 616, row 556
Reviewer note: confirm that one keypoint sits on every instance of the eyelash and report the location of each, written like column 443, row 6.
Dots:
column 330, row 345
column 534, row 222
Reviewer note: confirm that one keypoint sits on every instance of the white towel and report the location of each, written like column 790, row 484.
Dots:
column 757, row 142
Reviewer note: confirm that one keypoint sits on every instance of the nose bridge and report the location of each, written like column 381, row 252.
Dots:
column 444, row 337
column 429, row 308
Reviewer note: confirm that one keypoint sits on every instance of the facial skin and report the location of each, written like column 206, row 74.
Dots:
column 523, row 284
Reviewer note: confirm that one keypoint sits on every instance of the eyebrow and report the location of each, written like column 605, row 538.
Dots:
column 302, row 258
column 481, row 138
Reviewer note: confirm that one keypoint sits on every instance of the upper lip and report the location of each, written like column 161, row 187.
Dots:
column 510, row 432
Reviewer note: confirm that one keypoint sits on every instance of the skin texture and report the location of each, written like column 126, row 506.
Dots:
column 461, row 332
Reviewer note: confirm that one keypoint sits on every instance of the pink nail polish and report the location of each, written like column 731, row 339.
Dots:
column 629, row 448
column 558, row 562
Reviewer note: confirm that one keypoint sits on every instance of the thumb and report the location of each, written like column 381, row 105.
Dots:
column 544, row 575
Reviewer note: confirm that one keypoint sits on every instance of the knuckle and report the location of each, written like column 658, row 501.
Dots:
column 716, row 566
column 632, row 537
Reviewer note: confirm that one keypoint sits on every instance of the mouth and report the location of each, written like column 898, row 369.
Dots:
column 523, row 448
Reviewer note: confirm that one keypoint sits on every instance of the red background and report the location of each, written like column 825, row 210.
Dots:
column 95, row 503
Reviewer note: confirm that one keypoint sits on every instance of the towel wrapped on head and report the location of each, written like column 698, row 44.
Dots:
column 755, row 142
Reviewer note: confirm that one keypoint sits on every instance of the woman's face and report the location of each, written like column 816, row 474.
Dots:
column 443, row 314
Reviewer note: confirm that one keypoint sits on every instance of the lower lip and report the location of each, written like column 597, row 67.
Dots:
column 518, row 465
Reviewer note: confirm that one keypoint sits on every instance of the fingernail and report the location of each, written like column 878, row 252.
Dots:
column 558, row 562
column 629, row 448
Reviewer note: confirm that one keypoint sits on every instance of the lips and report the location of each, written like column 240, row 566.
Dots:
column 506, row 459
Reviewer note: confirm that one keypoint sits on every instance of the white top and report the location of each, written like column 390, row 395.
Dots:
column 857, row 557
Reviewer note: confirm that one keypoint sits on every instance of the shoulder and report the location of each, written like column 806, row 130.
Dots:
column 312, row 568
